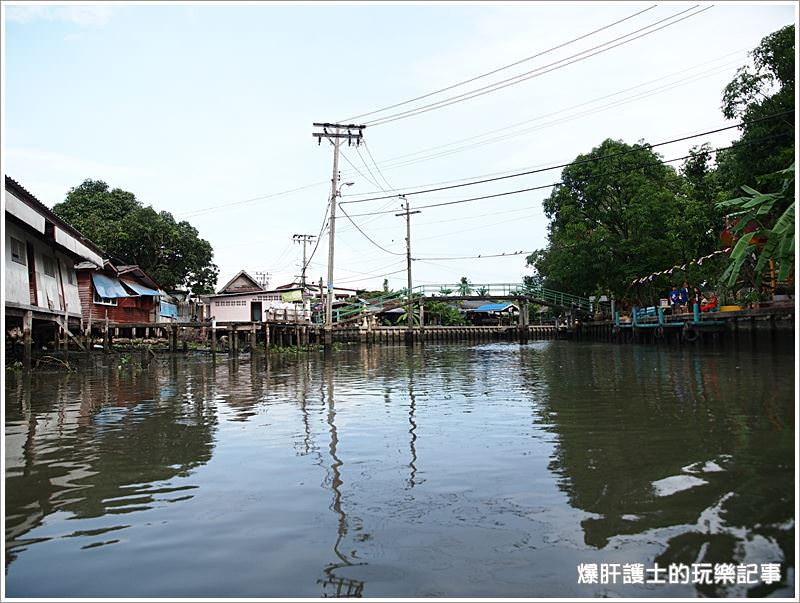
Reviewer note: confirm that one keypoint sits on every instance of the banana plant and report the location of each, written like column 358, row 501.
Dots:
column 764, row 225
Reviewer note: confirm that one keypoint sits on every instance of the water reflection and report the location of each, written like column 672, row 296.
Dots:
column 709, row 493
column 336, row 585
column 99, row 448
column 450, row 470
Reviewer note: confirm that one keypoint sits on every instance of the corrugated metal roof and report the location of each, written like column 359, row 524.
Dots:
column 493, row 307
column 108, row 287
column 141, row 289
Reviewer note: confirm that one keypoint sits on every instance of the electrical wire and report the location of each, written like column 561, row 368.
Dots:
column 564, row 165
column 545, row 186
column 407, row 157
column 555, row 122
column 538, row 71
column 232, row 203
column 360, row 173
column 377, row 167
column 357, row 280
column 497, row 70
column 378, row 245
column 319, row 236
column 478, row 257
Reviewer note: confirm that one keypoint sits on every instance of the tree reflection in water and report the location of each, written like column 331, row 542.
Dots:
column 667, row 449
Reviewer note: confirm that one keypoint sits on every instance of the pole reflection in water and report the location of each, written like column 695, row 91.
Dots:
column 412, row 410
column 335, row 585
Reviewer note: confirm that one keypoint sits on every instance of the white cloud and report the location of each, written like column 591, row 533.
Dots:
column 89, row 15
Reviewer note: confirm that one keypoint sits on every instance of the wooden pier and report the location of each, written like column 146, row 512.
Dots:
column 234, row 338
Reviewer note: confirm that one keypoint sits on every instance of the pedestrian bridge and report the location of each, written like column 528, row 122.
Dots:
column 462, row 291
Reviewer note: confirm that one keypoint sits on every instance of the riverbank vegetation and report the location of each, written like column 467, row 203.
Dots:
column 623, row 211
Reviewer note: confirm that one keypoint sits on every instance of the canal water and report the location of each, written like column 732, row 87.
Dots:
column 490, row 470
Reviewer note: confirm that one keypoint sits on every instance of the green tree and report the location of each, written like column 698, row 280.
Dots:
column 759, row 92
column 438, row 313
column 464, row 286
column 699, row 220
column 615, row 216
column 169, row 251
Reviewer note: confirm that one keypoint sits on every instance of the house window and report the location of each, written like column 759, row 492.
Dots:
column 106, row 301
column 17, row 251
column 49, row 266
column 70, row 276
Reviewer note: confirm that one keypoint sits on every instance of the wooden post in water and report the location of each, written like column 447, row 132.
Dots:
column 88, row 334
column 106, row 336
column 27, row 338
column 253, row 338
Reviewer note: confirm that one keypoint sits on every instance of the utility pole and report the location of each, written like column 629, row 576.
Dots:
column 262, row 278
column 305, row 240
column 407, row 213
column 335, row 133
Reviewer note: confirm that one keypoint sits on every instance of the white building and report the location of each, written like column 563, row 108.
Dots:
column 243, row 300
column 41, row 287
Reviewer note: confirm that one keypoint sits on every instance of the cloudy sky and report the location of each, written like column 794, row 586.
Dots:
column 206, row 111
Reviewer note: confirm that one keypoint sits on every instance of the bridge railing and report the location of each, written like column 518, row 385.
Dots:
column 549, row 296
column 368, row 306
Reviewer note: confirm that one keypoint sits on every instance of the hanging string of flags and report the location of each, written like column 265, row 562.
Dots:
column 681, row 268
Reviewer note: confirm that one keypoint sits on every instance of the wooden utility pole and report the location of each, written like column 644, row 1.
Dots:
column 305, row 240
column 407, row 213
column 335, row 133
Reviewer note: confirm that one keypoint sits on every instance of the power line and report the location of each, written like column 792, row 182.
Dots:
column 378, row 184
column 393, row 161
column 357, row 280
column 497, row 70
column 360, row 173
column 377, row 167
column 545, row 186
column 270, row 195
column 479, row 256
column 411, row 159
column 563, row 165
column 319, row 236
column 378, row 245
column 538, row 71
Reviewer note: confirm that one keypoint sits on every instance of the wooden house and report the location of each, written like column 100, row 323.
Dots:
column 41, row 287
column 126, row 296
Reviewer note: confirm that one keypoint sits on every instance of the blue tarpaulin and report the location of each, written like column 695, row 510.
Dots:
column 108, row 287
column 141, row 289
column 492, row 308
column 169, row 310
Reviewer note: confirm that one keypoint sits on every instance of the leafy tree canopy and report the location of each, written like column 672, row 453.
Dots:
column 759, row 92
column 618, row 214
column 169, row 251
